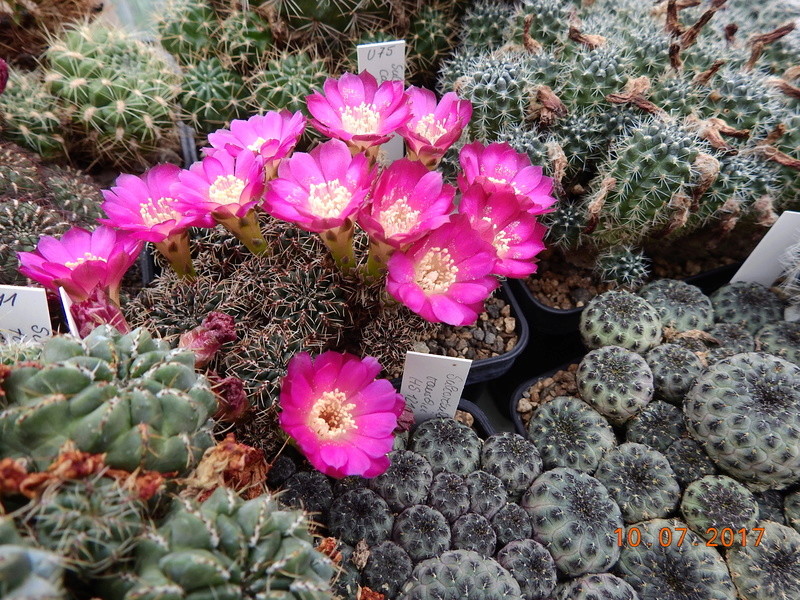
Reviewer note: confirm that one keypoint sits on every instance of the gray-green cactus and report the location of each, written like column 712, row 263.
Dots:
column 387, row 569
column 600, row 585
column 781, row 338
column 748, row 304
column 658, row 426
column 689, row 461
column 513, row 459
column 422, row 532
column 487, row 494
column 531, row 565
column 406, row 482
column 360, row 514
column 27, row 572
column 449, row 495
column 716, row 502
column 623, row 265
column 674, row 371
column 791, row 508
column 511, row 523
column 474, row 532
column 680, row 305
column 620, row 318
column 448, row 445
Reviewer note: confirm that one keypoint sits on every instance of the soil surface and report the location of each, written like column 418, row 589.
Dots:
column 561, row 383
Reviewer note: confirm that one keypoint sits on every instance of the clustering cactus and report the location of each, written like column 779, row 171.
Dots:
column 780, row 338
column 602, row 585
column 623, row 265
column 422, row 532
column 449, row 495
column 623, row 319
column 387, row 569
column 360, row 514
column 511, row 523
column 531, row 565
column 474, row 532
column 406, row 482
column 26, row 571
column 514, row 460
column 212, row 96
column 689, row 461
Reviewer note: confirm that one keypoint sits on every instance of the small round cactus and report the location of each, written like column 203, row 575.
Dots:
column 770, row 569
column 27, row 572
column 448, row 445
column 405, row 482
column 473, row 532
column 622, row 319
column 657, row 426
column 487, row 494
column 680, row 305
column 640, row 480
column 715, row 502
column 531, row 565
column 687, row 570
column 596, row 586
column 745, row 410
column 623, row 265
column 285, row 81
column 674, row 371
column 574, row 516
column 422, row 532
column 570, row 433
column 212, row 96
column 511, row 523
column 731, row 338
column 781, row 338
column 689, row 461
column 748, row 304
column 770, row 506
column 791, row 508
column 309, row 490
column 449, row 495
column 513, row 459
column 387, row 569
column 616, row 382
column 360, row 514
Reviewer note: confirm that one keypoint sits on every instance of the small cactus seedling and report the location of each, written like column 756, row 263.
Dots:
column 622, row 319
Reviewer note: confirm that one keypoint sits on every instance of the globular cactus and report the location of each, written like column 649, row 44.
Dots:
column 473, row 532
column 731, row 338
column 564, row 225
column 674, row 371
column 512, row 459
column 449, row 495
column 448, row 445
column 487, row 494
column 745, row 303
column 791, row 508
column 686, row 570
column 658, row 425
column 745, row 410
column 570, row 433
column 743, row 99
column 310, row 491
column 422, row 532
column 640, row 480
column 689, row 461
column 591, row 75
column 483, row 25
column 531, row 565
column 360, row 514
column 511, row 523
column 781, row 338
column 188, row 29
column 25, row 571
column 547, row 22
column 246, row 39
column 620, row 318
column 770, row 506
column 623, row 265
column 406, row 481
column 601, row 585
column 285, row 81
column 680, row 305
column 430, row 39
column 574, row 517
column 387, row 569
column 211, row 95
column 616, row 382
column 716, row 502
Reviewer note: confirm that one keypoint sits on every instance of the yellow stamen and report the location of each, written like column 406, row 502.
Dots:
column 361, row 119
column 436, row 272
column 154, row 212
column 398, row 218
column 329, row 199
column 332, row 416
column 82, row 259
column 429, row 128
column 226, row 189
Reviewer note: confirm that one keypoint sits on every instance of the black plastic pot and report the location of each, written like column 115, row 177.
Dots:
column 519, row 427
column 482, row 424
column 711, row 281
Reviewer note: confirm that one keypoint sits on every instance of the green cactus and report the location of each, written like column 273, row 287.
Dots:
column 405, row 482
column 513, row 459
column 246, row 39
column 127, row 396
column 474, row 532
column 731, row 338
column 212, row 95
column 387, row 569
column 574, row 517
column 285, row 81
column 26, row 572
column 189, row 29
column 483, row 25
column 448, row 445
column 781, row 338
column 743, row 99
column 449, row 495
column 616, row 382
column 430, row 39
column 549, row 22
column 745, row 410
column 570, row 433
column 674, row 370
column 511, row 523
column 623, row 265
column 310, row 491
column 689, row 461
column 601, row 585
column 487, row 494
column 532, row 567
column 658, row 425
column 622, row 319
column 422, row 532
column 360, row 514
column 564, row 225
column 716, row 502
column 75, row 194
column 592, row 75
column 680, row 305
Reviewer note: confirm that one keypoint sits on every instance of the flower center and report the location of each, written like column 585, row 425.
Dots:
column 361, row 119
column 399, row 217
column 501, row 181
column 155, row 212
column 82, row 259
column 436, row 272
column 226, row 189
column 332, row 416
column 256, row 145
column 328, row 199
column 429, row 128
column 500, row 239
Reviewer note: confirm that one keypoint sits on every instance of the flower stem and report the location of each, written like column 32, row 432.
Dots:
column 339, row 241
column 246, row 229
column 431, row 162
column 379, row 254
column 176, row 250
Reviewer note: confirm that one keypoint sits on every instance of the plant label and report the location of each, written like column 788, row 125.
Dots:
column 385, row 61
column 763, row 265
column 432, row 384
column 24, row 315
column 66, row 302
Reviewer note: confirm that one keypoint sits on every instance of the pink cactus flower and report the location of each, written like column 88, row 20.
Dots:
column 502, row 220
column 355, row 109
column 3, row 75
column 445, row 276
column 339, row 414
column 433, row 127
column 81, row 261
column 498, row 167
column 272, row 136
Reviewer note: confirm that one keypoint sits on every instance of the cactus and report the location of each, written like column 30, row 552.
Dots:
column 640, row 480
column 188, row 29
column 487, row 494
column 422, row 532
column 211, row 95
column 246, row 39
column 511, row 523
column 616, row 382
column 227, row 547
column 512, row 459
column 570, row 433
column 406, row 482
column 743, row 99
column 448, row 445
column 483, row 25
column 602, row 585
column 474, row 532
column 658, row 425
column 622, row 265
column 680, row 305
column 745, row 411
column 748, row 304
column 75, row 194
column 531, row 565
column 574, row 517
column 622, row 319
column 548, row 22
column 791, row 508
column 285, row 81
column 687, row 570
column 430, row 38
column 674, row 371
column 27, row 572
column 460, row 574
column 770, row 569
column 770, row 506
column 449, row 495
column 309, row 491
column 731, row 338
column 387, row 569
column 564, row 224
column 715, row 502
column 360, row 514
column 781, row 338
column 127, row 396
column 689, row 461
column 591, row 75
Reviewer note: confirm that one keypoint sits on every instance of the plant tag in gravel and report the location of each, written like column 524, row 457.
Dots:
column 432, row 384
column 385, row 61
column 763, row 265
column 66, row 302
column 24, row 315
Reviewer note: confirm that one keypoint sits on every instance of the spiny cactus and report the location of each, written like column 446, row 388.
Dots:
column 531, row 565
column 211, row 95
column 430, row 39
column 246, row 39
column 25, row 571
column 360, row 514
column 422, row 532
column 716, row 502
column 308, row 490
column 512, row 459
column 680, row 305
column 511, row 523
column 188, row 29
column 731, row 338
column 570, row 433
column 674, row 370
column 791, row 508
column 487, row 494
column 749, row 304
column 285, row 81
column 781, row 338
column 623, row 265
column 406, row 481
column 387, row 569
column 602, row 585
column 449, row 495
column 622, row 319
column 574, row 517
column 770, row 506
column 474, row 532
column 745, row 410
column 658, row 425
column 689, row 461
column 483, row 25
column 547, row 22
column 448, row 445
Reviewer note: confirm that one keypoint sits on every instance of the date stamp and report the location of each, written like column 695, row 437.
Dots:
column 668, row 536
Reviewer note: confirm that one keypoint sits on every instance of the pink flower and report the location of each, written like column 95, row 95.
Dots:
column 144, row 206
column 320, row 189
column 223, row 186
column 498, row 167
column 272, row 136
column 81, row 261
column 340, row 415
column 502, row 220
column 355, row 109
column 407, row 201
column 445, row 276
column 433, row 127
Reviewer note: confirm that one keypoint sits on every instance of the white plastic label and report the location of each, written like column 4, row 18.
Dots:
column 432, row 384
column 763, row 265
column 24, row 314
column 385, row 61
column 66, row 301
